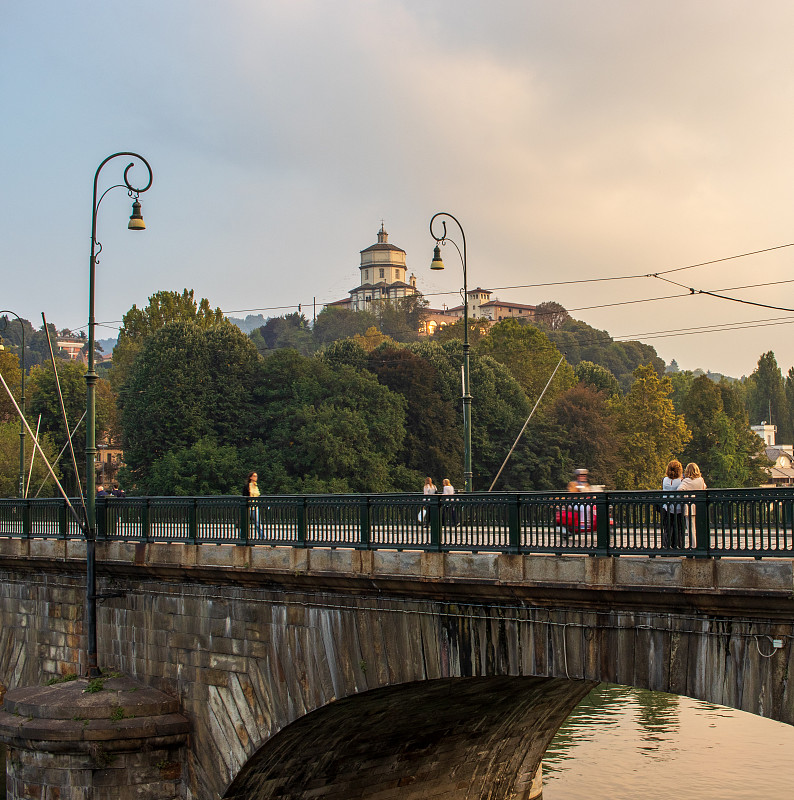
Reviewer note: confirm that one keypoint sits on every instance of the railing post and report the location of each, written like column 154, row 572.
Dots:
column 192, row 523
column 27, row 523
column 602, row 524
column 245, row 521
column 702, row 532
column 514, row 524
column 434, row 509
column 364, row 523
column 63, row 520
column 145, row 521
column 101, row 517
column 302, row 524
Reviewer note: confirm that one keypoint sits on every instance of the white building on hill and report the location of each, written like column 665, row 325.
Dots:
column 383, row 277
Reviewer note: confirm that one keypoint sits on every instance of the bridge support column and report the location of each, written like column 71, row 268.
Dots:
column 107, row 739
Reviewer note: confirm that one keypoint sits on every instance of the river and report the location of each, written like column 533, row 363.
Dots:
column 621, row 744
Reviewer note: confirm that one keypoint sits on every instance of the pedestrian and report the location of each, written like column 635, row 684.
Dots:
column 693, row 482
column 116, row 491
column 672, row 513
column 429, row 489
column 100, row 491
column 580, row 516
column 447, row 488
column 251, row 490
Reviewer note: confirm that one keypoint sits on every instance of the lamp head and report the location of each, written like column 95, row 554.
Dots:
column 136, row 219
column 437, row 262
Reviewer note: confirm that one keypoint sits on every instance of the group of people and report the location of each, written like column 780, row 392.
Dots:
column 676, row 516
column 115, row 491
column 431, row 488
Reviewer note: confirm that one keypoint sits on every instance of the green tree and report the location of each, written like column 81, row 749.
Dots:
column 767, row 397
column 44, row 400
column 204, row 468
column 290, row 330
column 12, row 374
column 650, row 432
column 402, row 318
column 580, row 342
column 189, row 382
column 335, row 323
column 551, row 315
column 530, row 357
column 727, row 451
column 138, row 324
column 9, row 461
column 500, row 408
column 597, row 378
column 478, row 328
column 433, row 443
column 588, row 432
column 329, row 428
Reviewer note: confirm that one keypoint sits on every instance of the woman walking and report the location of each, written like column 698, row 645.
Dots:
column 251, row 490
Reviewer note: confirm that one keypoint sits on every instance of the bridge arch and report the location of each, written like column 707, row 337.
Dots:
column 416, row 741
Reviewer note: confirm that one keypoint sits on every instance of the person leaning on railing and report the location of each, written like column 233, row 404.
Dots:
column 692, row 482
column 672, row 513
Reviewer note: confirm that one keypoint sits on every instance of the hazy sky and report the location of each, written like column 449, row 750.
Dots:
column 572, row 139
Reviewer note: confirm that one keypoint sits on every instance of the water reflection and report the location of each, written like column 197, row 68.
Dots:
column 621, row 742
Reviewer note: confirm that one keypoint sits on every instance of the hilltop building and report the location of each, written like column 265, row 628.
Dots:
column 383, row 277
column 781, row 473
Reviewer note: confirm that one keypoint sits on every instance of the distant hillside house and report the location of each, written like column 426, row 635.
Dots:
column 72, row 346
column 383, row 277
column 781, row 473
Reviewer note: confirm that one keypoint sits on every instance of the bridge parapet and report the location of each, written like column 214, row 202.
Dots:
column 726, row 522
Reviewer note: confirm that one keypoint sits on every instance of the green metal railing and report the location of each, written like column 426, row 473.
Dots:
column 731, row 522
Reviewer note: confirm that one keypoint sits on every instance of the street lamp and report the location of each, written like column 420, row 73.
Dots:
column 22, row 406
column 136, row 223
column 437, row 263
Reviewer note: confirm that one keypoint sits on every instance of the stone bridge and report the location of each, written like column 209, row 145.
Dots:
column 344, row 673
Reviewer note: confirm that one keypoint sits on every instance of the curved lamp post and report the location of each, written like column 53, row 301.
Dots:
column 22, row 406
column 437, row 263
column 136, row 223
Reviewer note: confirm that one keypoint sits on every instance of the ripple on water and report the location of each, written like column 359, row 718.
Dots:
column 620, row 743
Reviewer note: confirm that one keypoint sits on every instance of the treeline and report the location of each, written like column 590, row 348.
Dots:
column 358, row 403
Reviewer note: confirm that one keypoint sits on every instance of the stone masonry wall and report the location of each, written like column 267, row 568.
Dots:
column 252, row 640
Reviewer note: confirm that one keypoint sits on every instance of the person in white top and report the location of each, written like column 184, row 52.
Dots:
column 448, row 488
column 672, row 513
column 429, row 488
column 692, row 482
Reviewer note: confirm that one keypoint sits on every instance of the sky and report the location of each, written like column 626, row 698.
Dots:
column 572, row 140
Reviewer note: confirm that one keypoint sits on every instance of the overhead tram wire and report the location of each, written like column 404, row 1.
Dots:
column 658, row 274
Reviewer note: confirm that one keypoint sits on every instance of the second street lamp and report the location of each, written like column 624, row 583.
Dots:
column 136, row 223
column 438, row 263
column 22, row 406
